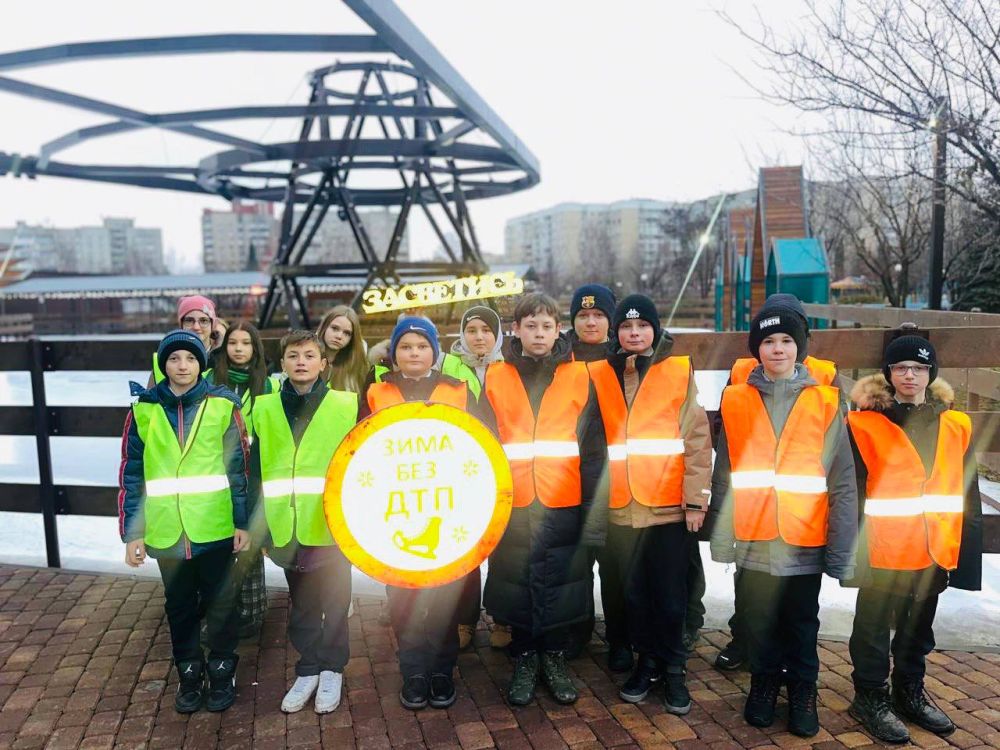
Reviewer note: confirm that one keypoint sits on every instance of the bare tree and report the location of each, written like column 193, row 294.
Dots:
column 598, row 259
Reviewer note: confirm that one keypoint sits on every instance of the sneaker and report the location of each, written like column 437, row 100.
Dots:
column 803, row 720
column 300, row 693
column 620, row 657
column 191, row 689
column 872, row 710
column 911, row 701
column 500, row 636
column 731, row 658
column 465, row 635
column 555, row 672
column 328, row 693
column 221, row 684
column 639, row 683
column 676, row 698
column 759, row 707
column 522, row 683
column 414, row 693
column 442, row 692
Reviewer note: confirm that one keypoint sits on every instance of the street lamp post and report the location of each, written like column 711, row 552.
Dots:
column 939, row 124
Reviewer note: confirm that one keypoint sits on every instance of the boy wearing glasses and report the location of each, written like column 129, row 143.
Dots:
column 921, row 518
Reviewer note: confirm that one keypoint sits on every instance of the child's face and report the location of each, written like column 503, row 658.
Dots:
column 538, row 333
column 303, row 363
column 777, row 354
column 338, row 334
column 414, row 355
column 591, row 326
column 479, row 337
column 182, row 368
column 239, row 349
column 635, row 336
column 910, row 379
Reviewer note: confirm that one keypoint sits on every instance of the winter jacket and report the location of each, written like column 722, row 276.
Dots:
column 920, row 422
column 539, row 576
column 299, row 410
column 181, row 412
column 776, row 556
column 697, row 450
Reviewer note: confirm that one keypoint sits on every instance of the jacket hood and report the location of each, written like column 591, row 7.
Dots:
column 461, row 349
column 379, row 353
column 874, row 393
column 561, row 350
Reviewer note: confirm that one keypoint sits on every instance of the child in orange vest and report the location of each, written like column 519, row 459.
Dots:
column 784, row 491
column 917, row 474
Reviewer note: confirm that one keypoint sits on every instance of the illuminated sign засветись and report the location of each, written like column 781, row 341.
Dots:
column 426, row 293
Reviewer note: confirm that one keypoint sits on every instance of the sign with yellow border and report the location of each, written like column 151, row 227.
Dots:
column 424, row 294
column 418, row 494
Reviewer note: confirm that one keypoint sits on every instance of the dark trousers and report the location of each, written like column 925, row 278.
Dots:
column 877, row 613
column 694, row 619
column 425, row 622
column 612, row 598
column 735, row 622
column 202, row 586
column 654, row 565
column 780, row 618
column 471, row 600
column 522, row 641
column 317, row 619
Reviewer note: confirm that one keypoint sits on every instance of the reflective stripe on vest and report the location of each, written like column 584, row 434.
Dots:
column 779, row 485
column 912, row 520
column 645, row 449
column 294, row 477
column 543, row 453
column 187, row 490
column 823, row 371
column 381, row 395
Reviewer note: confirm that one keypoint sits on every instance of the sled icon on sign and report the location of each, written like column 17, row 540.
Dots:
column 425, row 543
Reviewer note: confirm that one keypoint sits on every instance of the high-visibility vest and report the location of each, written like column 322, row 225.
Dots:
column 187, row 489
column 912, row 520
column 452, row 366
column 271, row 385
column 381, row 395
column 543, row 452
column 645, row 448
column 779, row 484
column 293, row 477
column 823, row 371
column 159, row 375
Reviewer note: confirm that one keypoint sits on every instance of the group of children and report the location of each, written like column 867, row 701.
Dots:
column 612, row 461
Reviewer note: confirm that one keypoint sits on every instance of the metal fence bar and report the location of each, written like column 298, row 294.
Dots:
column 46, row 487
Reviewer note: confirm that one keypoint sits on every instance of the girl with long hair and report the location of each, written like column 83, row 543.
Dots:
column 344, row 349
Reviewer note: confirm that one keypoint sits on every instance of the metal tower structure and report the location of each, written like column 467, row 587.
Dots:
column 402, row 129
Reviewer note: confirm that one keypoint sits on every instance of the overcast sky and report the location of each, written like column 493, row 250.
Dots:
column 617, row 100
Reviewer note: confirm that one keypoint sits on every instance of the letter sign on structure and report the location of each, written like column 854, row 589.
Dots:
column 418, row 494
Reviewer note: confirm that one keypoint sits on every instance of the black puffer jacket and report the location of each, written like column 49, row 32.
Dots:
column 920, row 423
column 539, row 574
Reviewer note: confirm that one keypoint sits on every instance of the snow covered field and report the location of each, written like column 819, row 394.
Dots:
column 87, row 543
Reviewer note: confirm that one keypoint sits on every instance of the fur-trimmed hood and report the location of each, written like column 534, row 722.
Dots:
column 873, row 393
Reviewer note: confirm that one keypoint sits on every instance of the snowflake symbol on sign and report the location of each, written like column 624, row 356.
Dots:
column 471, row 468
column 460, row 534
column 366, row 478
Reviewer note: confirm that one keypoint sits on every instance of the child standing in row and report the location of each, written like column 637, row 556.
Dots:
column 344, row 349
column 784, row 489
column 183, row 501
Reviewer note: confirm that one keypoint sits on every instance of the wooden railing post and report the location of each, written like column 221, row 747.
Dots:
column 46, row 486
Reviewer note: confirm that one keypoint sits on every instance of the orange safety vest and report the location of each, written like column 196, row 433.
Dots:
column 381, row 395
column 645, row 448
column 912, row 520
column 823, row 371
column 543, row 452
column 779, row 484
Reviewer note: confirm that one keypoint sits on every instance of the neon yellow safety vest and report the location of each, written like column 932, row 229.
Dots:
column 293, row 477
column 187, row 490
column 451, row 365
column 159, row 376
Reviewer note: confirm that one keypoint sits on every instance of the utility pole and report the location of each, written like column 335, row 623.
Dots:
column 939, row 123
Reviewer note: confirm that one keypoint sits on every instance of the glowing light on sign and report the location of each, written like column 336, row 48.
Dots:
column 424, row 294
column 418, row 494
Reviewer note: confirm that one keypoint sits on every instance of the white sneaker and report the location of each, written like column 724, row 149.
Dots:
column 297, row 698
column 328, row 695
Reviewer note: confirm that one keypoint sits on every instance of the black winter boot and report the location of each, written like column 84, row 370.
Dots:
column 555, row 672
column 221, row 684
column 803, row 720
column 911, row 701
column 191, row 690
column 759, row 708
column 871, row 708
column 676, row 698
column 639, row 683
column 522, row 683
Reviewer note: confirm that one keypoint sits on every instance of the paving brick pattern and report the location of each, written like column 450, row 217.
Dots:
column 85, row 663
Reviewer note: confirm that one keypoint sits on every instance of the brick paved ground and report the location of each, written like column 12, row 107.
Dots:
column 85, row 663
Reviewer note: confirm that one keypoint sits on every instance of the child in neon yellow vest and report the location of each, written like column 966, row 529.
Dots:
column 183, row 501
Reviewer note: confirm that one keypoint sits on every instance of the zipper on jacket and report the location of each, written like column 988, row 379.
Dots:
column 180, row 440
